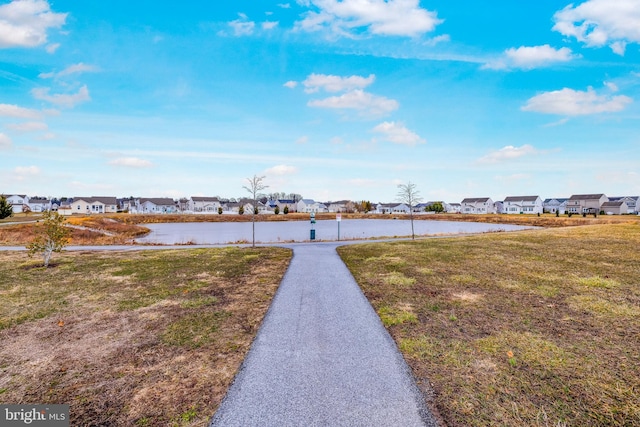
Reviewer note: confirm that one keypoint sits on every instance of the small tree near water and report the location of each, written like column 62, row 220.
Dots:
column 255, row 187
column 410, row 196
column 52, row 236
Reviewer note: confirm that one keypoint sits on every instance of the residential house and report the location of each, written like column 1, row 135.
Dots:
column 199, row 204
column 477, row 205
column 65, row 208
column 499, row 207
column 156, row 205
column 586, row 203
column 631, row 201
column 39, row 204
column 387, row 208
column 558, row 205
column 93, row 205
column 341, row 206
column 453, row 208
column 247, row 206
column 17, row 201
column 617, row 207
column 291, row 205
column 523, row 205
column 308, row 205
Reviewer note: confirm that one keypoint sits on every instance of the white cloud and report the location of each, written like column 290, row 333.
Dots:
column 282, row 170
column 24, row 23
column 302, row 140
column 72, row 69
column 62, row 100
column 291, row 84
column 284, row 5
column 569, row 102
column 51, row 48
column 437, row 39
column 131, row 162
column 27, row 170
column 379, row 17
column 398, row 134
column 242, row 26
column 28, row 127
column 366, row 103
column 5, row 142
column 331, row 83
column 601, row 22
column 529, row 57
column 611, row 86
column 269, row 25
column 508, row 153
column 9, row 110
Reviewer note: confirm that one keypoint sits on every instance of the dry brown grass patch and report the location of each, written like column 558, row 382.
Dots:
column 537, row 328
column 117, row 337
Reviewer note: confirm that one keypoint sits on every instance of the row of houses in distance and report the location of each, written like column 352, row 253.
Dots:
column 576, row 204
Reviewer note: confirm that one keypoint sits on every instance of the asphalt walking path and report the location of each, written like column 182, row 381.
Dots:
column 322, row 357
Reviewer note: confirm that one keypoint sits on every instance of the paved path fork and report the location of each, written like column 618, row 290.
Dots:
column 322, row 357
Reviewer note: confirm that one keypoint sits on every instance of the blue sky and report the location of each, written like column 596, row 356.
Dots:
column 329, row 99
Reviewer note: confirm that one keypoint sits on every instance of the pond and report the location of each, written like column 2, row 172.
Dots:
column 204, row 233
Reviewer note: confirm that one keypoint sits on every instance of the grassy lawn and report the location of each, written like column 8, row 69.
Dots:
column 537, row 328
column 149, row 338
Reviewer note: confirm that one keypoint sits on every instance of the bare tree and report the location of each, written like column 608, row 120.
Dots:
column 410, row 196
column 255, row 186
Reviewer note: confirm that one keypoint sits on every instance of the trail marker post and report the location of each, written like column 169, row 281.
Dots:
column 313, row 221
column 338, row 220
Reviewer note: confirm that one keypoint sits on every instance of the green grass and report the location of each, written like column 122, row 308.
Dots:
column 538, row 328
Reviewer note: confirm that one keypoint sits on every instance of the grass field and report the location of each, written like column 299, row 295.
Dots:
column 148, row 338
column 537, row 328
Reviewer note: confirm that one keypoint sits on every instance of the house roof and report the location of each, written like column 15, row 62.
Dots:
column 561, row 200
column 9, row 195
column 158, row 201
column 286, row 201
column 587, row 196
column 204, row 199
column 614, row 204
column 308, row 201
column 105, row 200
column 38, row 200
column 476, row 200
column 521, row 198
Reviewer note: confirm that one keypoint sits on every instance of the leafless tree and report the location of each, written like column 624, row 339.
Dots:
column 255, row 187
column 410, row 196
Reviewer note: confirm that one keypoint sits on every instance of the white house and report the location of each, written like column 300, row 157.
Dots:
column 558, row 205
column 156, row 205
column 38, row 204
column 17, row 201
column 308, row 205
column 94, row 205
column 291, row 205
column 453, row 208
column 384, row 208
column 204, row 204
column 477, row 205
column 523, row 205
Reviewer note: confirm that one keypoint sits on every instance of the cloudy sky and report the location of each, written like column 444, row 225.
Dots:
column 330, row 99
